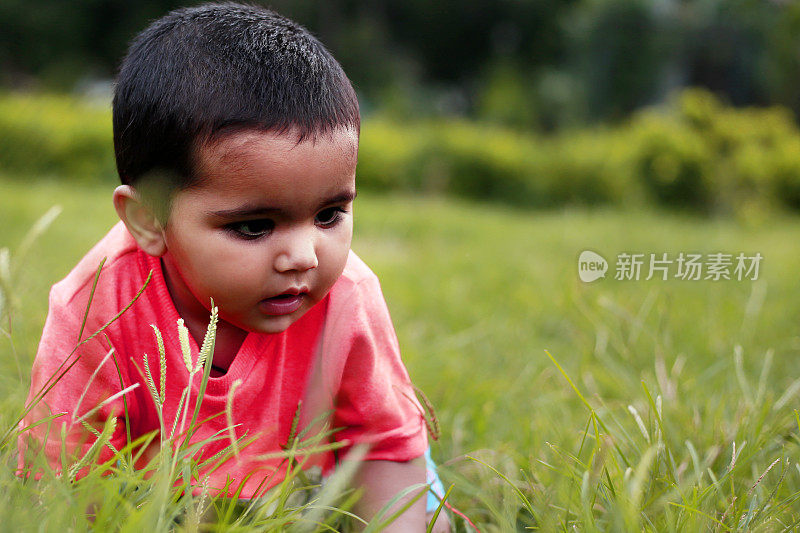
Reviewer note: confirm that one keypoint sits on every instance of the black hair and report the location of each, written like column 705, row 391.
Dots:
column 200, row 72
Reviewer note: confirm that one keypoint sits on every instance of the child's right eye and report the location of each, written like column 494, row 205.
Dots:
column 251, row 229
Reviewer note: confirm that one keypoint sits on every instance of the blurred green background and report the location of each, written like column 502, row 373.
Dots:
column 500, row 139
column 530, row 64
column 685, row 103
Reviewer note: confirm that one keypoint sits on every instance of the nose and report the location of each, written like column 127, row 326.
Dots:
column 297, row 253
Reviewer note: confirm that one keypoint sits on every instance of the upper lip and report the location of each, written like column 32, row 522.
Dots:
column 293, row 291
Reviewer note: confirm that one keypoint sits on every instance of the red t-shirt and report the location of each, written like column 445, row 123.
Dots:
column 341, row 357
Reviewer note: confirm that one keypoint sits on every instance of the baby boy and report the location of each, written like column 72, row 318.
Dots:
column 236, row 138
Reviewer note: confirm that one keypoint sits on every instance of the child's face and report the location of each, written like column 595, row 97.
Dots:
column 267, row 232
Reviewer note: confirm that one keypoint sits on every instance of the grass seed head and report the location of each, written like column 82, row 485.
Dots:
column 183, row 336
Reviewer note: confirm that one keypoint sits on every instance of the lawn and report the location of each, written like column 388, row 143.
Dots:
column 660, row 405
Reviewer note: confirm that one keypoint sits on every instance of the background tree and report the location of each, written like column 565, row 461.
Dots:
column 532, row 64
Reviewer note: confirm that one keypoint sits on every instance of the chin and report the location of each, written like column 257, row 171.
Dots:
column 278, row 324
column 269, row 326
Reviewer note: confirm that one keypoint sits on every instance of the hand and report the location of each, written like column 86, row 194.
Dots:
column 442, row 524
column 382, row 481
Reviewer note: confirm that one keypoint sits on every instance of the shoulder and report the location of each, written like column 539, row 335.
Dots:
column 356, row 271
column 84, row 304
column 116, row 251
column 356, row 302
column 356, row 279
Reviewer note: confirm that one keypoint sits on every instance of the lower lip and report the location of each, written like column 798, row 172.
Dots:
column 281, row 306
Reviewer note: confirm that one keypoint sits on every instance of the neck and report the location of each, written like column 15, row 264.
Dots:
column 227, row 343
column 229, row 338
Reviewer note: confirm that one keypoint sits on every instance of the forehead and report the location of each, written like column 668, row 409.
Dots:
column 240, row 158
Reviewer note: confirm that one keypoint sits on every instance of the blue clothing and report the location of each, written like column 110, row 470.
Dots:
column 436, row 493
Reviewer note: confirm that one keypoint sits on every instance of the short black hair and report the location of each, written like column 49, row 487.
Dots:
column 200, row 72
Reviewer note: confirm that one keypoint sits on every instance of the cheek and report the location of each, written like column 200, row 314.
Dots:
column 237, row 267
column 336, row 251
column 211, row 266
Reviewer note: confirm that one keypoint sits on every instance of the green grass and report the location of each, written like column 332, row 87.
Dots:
column 479, row 292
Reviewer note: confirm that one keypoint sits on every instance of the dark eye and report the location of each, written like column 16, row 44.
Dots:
column 329, row 217
column 252, row 229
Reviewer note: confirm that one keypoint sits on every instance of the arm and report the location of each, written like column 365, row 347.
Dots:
column 92, row 378
column 375, row 404
column 383, row 480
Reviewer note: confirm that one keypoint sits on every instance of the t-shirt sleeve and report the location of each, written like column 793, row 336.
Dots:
column 375, row 402
column 76, row 381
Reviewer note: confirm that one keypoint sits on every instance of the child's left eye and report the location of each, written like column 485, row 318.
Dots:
column 329, row 217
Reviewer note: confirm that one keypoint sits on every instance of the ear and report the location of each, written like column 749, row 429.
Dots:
column 140, row 220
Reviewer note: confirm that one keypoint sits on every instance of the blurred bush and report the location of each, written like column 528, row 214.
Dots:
column 59, row 136
column 694, row 153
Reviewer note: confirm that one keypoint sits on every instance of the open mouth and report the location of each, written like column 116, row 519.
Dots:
column 283, row 304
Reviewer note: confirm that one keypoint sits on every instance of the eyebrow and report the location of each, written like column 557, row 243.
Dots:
column 251, row 210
